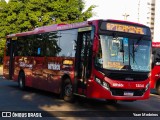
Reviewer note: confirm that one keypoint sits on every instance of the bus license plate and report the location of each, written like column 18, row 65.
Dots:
column 128, row 93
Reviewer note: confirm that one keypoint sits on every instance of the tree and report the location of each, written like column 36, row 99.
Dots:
column 2, row 45
column 23, row 15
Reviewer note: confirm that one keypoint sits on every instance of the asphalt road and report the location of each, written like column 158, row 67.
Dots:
column 51, row 107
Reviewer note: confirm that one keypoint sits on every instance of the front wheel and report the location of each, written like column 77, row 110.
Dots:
column 68, row 91
column 158, row 87
column 21, row 81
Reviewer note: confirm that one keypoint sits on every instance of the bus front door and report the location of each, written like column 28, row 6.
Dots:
column 82, row 62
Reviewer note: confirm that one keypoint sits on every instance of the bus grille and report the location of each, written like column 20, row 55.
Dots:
column 120, row 92
column 124, row 76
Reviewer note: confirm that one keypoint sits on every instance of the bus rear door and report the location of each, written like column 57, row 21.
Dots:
column 9, row 58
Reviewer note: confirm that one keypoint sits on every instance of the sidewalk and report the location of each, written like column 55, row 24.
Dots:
column 1, row 70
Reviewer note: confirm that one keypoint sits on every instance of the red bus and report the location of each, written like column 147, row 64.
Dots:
column 102, row 59
column 155, row 74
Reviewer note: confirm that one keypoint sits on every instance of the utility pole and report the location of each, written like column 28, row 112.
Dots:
column 138, row 9
column 125, row 16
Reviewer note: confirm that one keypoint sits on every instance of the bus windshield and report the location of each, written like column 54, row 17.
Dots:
column 122, row 53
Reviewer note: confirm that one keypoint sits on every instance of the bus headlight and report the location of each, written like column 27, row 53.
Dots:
column 98, row 80
column 149, row 74
column 102, row 83
column 147, row 86
column 106, row 85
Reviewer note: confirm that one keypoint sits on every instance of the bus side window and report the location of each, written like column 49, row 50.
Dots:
column 99, row 60
column 67, row 42
column 52, row 47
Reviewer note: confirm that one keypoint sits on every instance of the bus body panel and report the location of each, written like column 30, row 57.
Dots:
column 155, row 76
column 47, row 72
column 42, row 73
column 136, row 89
column 97, row 91
column 155, row 73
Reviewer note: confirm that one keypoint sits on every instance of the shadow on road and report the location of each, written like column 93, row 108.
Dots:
column 50, row 104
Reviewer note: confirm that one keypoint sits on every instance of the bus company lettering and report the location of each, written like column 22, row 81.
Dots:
column 124, row 28
column 140, row 85
column 23, row 64
column 118, row 85
column 54, row 66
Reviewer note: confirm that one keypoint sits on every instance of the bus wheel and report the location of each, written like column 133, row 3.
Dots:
column 21, row 81
column 68, row 91
column 158, row 87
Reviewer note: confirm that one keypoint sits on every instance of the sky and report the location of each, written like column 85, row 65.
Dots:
column 115, row 9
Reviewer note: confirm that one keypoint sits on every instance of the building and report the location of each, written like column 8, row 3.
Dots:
column 151, row 15
column 153, row 18
column 148, row 13
column 156, row 36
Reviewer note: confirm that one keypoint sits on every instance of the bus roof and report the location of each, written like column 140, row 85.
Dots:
column 56, row 27
column 49, row 28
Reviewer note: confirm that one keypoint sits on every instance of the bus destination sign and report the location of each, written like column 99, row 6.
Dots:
column 125, row 28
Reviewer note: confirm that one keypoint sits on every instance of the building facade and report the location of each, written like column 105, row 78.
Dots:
column 153, row 18
column 151, row 15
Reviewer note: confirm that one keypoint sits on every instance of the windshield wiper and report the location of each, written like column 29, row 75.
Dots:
column 122, row 50
column 127, row 67
column 135, row 48
column 133, row 52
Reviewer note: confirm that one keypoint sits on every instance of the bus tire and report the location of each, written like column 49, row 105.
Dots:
column 158, row 87
column 68, row 91
column 21, row 81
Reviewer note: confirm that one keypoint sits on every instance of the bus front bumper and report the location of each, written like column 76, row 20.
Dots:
column 118, row 90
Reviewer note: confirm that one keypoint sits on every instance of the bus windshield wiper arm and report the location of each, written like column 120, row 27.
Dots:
column 135, row 48
column 133, row 52
column 122, row 50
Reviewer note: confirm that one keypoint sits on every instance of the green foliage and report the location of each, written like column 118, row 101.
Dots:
column 2, row 45
column 23, row 15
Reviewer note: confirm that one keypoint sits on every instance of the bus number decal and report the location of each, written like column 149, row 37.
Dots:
column 53, row 66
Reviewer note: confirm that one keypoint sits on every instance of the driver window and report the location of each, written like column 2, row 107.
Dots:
column 114, row 48
column 99, row 60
